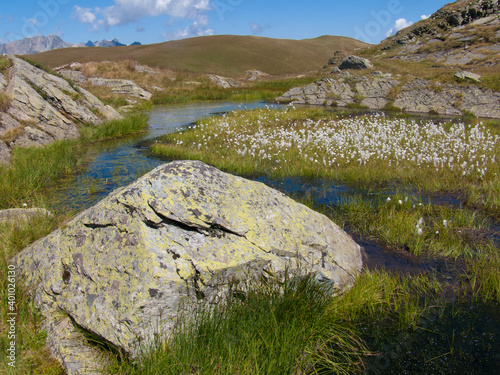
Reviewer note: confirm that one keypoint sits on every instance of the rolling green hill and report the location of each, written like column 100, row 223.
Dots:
column 227, row 55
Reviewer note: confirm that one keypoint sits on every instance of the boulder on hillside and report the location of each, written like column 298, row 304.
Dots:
column 254, row 74
column 223, row 82
column 355, row 62
column 122, row 86
column 182, row 232
column 337, row 59
column 468, row 75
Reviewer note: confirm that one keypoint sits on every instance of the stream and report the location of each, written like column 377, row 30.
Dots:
column 118, row 163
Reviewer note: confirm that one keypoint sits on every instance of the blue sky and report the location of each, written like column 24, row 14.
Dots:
column 155, row 21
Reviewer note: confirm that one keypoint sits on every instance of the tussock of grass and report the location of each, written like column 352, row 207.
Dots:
column 4, row 102
column 5, row 63
column 274, row 327
column 132, row 124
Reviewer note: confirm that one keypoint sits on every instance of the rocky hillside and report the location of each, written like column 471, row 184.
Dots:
column 464, row 33
column 447, row 64
column 38, row 108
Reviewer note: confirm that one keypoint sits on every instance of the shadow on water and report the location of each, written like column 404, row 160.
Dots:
column 453, row 339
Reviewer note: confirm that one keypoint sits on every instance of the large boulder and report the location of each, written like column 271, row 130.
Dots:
column 182, row 232
column 355, row 62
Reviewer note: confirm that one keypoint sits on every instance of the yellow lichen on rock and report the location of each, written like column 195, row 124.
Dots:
column 122, row 268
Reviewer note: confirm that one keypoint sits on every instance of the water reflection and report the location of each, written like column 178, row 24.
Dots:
column 118, row 163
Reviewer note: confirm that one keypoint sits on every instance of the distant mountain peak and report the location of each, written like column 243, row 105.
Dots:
column 33, row 45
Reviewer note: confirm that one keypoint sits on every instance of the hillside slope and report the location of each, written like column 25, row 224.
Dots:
column 447, row 64
column 227, row 55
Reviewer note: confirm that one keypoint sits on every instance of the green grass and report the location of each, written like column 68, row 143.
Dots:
column 34, row 170
column 132, row 124
column 4, row 102
column 285, row 327
column 31, row 354
column 314, row 143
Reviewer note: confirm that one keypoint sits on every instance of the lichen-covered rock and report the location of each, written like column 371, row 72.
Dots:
column 420, row 96
column 28, row 106
column 3, row 82
column 375, row 91
column 44, row 108
column 326, row 91
column 56, row 91
column 121, row 268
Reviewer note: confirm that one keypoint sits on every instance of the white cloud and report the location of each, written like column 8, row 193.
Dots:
column 124, row 12
column 401, row 23
column 84, row 15
column 424, row 17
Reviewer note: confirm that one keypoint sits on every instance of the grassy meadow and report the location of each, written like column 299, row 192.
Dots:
column 387, row 323
column 227, row 55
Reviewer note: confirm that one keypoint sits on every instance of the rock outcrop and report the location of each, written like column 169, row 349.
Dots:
column 180, row 233
column 44, row 108
column 122, row 86
column 462, row 33
column 378, row 91
column 355, row 62
column 223, row 82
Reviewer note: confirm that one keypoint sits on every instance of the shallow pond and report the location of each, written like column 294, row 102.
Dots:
column 119, row 163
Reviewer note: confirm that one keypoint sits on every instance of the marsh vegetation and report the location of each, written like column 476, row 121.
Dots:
column 388, row 322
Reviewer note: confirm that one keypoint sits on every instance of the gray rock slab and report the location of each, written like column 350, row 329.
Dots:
column 185, row 230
